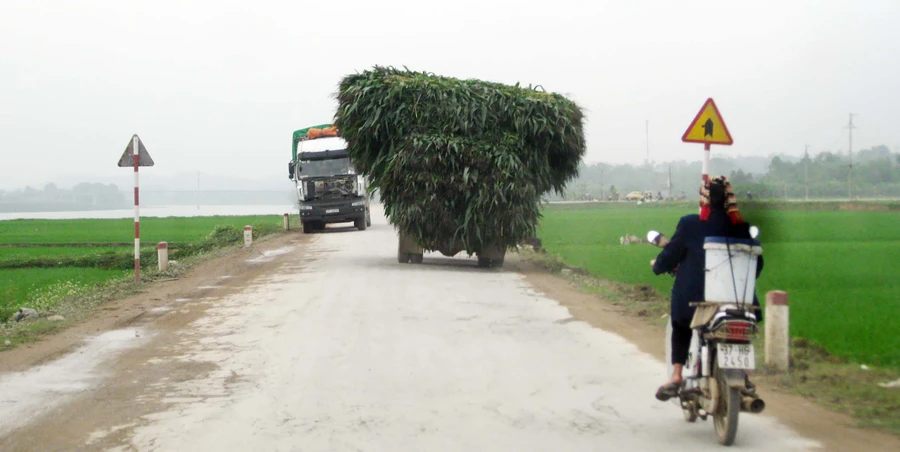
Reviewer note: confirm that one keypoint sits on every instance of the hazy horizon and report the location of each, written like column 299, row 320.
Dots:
column 218, row 87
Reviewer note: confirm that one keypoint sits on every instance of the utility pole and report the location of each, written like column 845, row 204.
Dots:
column 647, row 132
column 850, row 126
column 670, row 180
column 601, row 181
column 806, row 168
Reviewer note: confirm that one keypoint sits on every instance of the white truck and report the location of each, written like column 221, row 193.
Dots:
column 328, row 188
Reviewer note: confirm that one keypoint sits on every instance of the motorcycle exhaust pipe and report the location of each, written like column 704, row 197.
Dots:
column 754, row 405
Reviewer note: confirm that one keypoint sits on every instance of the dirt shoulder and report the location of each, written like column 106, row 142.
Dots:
column 835, row 431
column 165, row 310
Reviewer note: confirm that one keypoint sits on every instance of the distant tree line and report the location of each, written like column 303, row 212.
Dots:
column 875, row 174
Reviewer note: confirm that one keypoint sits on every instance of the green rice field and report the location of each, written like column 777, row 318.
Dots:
column 840, row 268
column 31, row 271
column 153, row 229
column 30, row 252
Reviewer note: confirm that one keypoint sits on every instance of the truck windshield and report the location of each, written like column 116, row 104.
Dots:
column 321, row 168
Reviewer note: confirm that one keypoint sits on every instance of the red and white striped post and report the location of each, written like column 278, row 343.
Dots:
column 135, row 146
column 137, row 211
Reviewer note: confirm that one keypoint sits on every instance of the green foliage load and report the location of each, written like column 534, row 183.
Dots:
column 459, row 160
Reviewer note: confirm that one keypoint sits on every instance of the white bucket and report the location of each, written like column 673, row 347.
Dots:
column 734, row 281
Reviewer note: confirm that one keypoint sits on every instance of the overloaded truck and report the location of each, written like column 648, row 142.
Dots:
column 329, row 190
column 460, row 165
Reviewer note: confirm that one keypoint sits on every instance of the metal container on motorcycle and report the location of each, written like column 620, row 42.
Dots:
column 730, row 269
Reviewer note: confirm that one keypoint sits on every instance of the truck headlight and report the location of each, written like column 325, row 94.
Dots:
column 302, row 207
column 358, row 203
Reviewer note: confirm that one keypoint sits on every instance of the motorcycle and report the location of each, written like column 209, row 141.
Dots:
column 716, row 375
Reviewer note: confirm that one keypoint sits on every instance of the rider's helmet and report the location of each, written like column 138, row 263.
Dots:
column 716, row 193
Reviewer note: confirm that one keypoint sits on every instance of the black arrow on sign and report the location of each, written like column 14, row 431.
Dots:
column 708, row 127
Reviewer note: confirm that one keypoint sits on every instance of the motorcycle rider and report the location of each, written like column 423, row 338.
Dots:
column 684, row 255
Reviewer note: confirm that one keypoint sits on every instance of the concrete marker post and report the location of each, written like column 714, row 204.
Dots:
column 248, row 236
column 162, row 254
column 778, row 339
column 287, row 222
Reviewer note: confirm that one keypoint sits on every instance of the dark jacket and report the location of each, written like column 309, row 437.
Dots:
column 685, row 251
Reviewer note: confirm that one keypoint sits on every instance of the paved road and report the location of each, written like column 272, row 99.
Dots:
column 344, row 349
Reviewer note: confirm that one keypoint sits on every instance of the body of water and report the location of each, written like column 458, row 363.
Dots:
column 159, row 211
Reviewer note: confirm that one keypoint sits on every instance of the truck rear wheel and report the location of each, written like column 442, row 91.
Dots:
column 491, row 256
column 407, row 248
column 485, row 262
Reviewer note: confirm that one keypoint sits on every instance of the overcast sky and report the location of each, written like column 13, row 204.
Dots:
column 219, row 86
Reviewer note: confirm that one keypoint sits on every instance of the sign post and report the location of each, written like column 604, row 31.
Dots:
column 136, row 155
column 708, row 128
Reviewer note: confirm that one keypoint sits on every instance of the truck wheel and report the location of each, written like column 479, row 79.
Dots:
column 360, row 224
column 416, row 258
column 307, row 227
column 402, row 257
column 368, row 220
column 491, row 256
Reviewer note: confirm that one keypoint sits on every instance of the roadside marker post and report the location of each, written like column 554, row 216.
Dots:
column 777, row 331
column 162, row 255
column 708, row 128
column 136, row 155
column 248, row 235
column 287, row 222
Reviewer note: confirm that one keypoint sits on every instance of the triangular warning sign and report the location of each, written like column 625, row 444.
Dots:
column 127, row 158
column 708, row 127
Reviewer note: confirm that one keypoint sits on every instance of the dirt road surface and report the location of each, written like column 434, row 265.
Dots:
column 326, row 343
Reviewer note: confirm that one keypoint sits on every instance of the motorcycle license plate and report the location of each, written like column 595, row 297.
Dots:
column 736, row 356
column 332, row 210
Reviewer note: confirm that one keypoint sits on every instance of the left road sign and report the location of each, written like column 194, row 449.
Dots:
column 127, row 158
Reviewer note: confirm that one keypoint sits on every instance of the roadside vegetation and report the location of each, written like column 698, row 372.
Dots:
column 58, row 267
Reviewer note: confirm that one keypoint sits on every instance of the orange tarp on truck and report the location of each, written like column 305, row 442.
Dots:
column 314, row 133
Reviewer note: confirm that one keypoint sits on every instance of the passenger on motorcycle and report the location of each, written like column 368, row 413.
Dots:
column 684, row 255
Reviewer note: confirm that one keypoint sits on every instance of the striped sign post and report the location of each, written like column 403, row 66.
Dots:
column 136, row 155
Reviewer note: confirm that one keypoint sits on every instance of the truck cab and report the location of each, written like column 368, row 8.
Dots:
column 328, row 188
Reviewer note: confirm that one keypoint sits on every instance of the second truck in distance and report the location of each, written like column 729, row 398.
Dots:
column 328, row 188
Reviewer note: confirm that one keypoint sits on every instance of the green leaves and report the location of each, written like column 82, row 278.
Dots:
column 455, row 159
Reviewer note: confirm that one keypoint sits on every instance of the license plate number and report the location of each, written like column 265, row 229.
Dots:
column 332, row 210
column 736, row 356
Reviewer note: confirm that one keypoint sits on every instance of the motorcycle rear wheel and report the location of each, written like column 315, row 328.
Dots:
column 726, row 416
